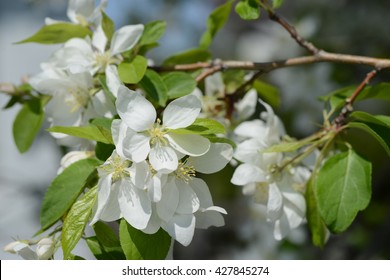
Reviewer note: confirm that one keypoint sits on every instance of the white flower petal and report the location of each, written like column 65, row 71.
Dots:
column 167, row 206
column 248, row 151
column 188, row 144
column 154, row 223
column 214, row 85
column 210, row 217
column 99, row 39
column 275, row 203
column 134, row 204
column 137, row 112
column 113, row 80
column 45, row 248
column 214, row 160
column 103, row 194
column 247, row 173
column 202, row 192
column 102, row 105
column 136, row 146
column 247, row 105
column 163, row 158
column 80, row 8
column 119, row 132
column 281, row 228
column 181, row 112
column 181, row 228
column 25, row 251
column 251, row 129
column 125, row 38
column 188, row 200
column 111, row 211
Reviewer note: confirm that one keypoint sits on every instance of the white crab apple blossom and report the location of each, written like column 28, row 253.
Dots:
column 96, row 54
column 279, row 189
column 44, row 249
column 83, row 12
column 186, row 202
column 74, row 100
column 122, row 192
column 140, row 134
column 213, row 105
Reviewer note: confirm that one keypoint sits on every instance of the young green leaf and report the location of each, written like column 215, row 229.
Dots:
column 368, row 118
column 268, row 93
column 96, row 248
column 248, row 9
column 215, row 22
column 90, row 132
column 138, row 245
column 179, row 84
column 380, row 133
column 153, row 32
column 57, row 33
column 343, row 189
column 109, row 241
column 189, row 56
column 103, row 151
column 154, row 87
column 76, row 221
column 133, row 72
column 317, row 226
column 27, row 124
column 108, row 26
column 202, row 126
column 65, row 189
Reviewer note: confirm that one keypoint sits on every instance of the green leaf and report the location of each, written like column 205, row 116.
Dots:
column 179, row 84
column 65, row 189
column 103, row 151
column 368, row 118
column 108, row 26
column 215, row 22
column 277, row 3
column 90, row 132
column 189, row 56
column 153, row 31
column 27, row 124
column 248, row 9
column 214, row 139
column 380, row 133
column 337, row 98
column 57, row 33
column 96, row 248
column 133, row 72
column 138, row 245
column 76, row 221
column 109, row 241
column 154, row 87
column 343, row 189
column 202, row 126
column 268, row 93
column 316, row 224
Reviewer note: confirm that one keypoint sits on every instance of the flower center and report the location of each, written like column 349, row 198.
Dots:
column 212, row 106
column 118, row 167
column 185, row 172
column 157, row 134
column 103, row 60
column 77, row 98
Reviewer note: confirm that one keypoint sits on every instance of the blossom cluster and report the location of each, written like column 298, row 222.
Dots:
column 268, row 176
column 150, row 178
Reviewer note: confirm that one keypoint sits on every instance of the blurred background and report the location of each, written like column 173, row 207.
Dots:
column 344, row 26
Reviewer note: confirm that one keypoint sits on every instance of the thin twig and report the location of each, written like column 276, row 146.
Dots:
column 347, row 108
column 310, row 47
column 322, row 56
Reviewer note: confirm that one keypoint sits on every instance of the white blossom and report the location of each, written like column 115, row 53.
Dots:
column 44, row 249
column 263, row 174
column 140, row 134
column 122, row 192
column 82, row 12
column 186, row 202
